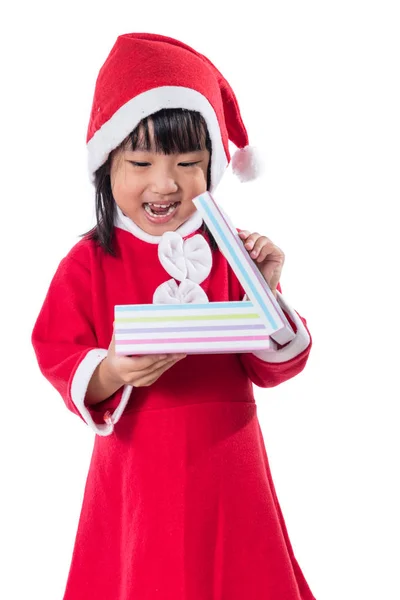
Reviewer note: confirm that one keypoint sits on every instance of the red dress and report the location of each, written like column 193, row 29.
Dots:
column 179, row 502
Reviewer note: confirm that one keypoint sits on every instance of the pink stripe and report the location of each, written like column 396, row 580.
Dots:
column 247, row 338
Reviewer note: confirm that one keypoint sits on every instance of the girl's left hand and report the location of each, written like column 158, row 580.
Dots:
column 268, row 257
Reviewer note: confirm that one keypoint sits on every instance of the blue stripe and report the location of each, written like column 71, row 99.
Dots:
column 245, row 305
column 249, row 282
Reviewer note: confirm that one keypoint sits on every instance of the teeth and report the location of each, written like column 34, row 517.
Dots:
column 147, row 208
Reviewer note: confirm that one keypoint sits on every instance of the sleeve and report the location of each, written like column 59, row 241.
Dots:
column 269, row 368
column 67, row 350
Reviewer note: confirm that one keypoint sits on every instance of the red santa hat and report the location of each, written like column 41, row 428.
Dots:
column 147, row 72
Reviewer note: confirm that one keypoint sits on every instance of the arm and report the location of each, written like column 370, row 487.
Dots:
column 102, row 385
column 67, row 349
column 268, row 368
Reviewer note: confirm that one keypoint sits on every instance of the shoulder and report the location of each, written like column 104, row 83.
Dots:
column 79, row 261
column 82, row 249
column 85, row 253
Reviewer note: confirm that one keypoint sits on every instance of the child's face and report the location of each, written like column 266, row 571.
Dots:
column 141, row 179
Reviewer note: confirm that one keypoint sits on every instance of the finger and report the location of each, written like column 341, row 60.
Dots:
column 150, row 378
column 262, row 243
column 263, row 254
column 152, row 367
column 129, row 366
column 262, row 249
column 111, row 346
column 171, row 360
column 243, row 233
column 143, row 362
column 251, row 240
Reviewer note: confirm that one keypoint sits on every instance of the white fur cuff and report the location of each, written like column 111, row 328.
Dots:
column 293, row 348
column 79, row 386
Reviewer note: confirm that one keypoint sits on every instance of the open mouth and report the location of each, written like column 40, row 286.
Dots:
column 159, row 211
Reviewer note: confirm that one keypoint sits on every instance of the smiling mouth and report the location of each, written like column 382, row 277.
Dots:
column 160, row 210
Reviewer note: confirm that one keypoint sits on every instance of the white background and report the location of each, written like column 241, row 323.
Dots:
column 318, row 87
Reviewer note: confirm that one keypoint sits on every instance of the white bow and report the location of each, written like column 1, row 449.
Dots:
column 185, row 259
column 184, row 293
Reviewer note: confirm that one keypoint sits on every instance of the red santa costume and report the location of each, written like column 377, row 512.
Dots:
column 179, row 502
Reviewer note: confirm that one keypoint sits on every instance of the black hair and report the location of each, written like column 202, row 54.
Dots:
column 176, row 130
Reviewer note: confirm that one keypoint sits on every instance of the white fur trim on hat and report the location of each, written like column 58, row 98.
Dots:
column 126, row 118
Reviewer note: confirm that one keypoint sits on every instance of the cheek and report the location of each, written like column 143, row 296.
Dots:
column 116, row 177
column 124, row 187
column 118, row 192
column 200, row 179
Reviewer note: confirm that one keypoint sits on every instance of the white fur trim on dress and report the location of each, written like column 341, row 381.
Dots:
column 185, row 259
column 80, row 384
column 293, row 348
column 126, row 118
column 121, row 221
column 186, row 292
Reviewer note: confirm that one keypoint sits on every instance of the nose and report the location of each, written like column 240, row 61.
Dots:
column 163, row 182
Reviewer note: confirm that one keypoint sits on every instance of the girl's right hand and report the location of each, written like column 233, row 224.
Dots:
column 138, row 371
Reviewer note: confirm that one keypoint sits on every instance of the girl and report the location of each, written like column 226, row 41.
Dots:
column 179, row 502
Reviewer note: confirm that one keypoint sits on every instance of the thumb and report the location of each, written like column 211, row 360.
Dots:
column 111, row 347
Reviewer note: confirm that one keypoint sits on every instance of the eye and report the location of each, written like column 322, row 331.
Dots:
column 139, row 164
column 189, row 164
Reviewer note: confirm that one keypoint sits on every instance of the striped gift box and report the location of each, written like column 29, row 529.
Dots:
column 214, row 327
column 257, row 289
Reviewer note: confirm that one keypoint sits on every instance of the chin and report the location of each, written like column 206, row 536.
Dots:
column 160, row 229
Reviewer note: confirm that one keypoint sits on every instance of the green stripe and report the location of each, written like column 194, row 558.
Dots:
column 188, row 318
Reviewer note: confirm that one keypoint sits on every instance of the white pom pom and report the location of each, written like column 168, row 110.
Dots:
column 247, row 163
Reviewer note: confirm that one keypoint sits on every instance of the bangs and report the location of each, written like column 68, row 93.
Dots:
column 176, row 131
